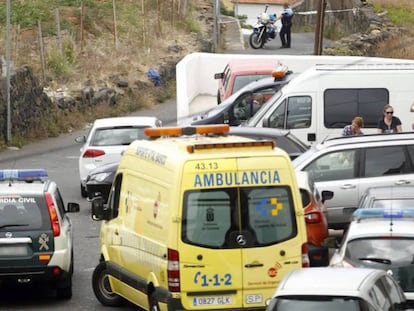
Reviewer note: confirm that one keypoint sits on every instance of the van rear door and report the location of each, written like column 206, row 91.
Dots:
column 239, row 234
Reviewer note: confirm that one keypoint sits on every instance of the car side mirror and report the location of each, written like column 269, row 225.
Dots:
column 226, row 117
column 219, row 75
column 265, row 122
column 327, row 195
column 81, row 139
column 73, row 207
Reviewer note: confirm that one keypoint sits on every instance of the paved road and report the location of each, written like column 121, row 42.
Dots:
column 302, row 44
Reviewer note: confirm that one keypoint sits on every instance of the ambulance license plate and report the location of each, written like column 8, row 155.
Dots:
column 212, row 301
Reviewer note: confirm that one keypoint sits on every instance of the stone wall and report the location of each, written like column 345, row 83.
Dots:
column 28, row 103
column 345, row 16
column 361, row 28
column 32, row 105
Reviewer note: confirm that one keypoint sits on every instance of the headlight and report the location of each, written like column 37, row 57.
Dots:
column 101, row 176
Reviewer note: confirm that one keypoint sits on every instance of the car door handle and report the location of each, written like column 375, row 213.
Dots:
column 348, row 186
column 116, row 232
column 402, row 182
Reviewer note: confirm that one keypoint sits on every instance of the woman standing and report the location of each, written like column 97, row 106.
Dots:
column 388, row 123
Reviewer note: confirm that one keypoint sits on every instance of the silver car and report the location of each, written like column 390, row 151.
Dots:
column 349, row 165
column 338, row 289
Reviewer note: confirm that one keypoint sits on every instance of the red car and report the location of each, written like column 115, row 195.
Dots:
column 315, row 218
column 239, row 73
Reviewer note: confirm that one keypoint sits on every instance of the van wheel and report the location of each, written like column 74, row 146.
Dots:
column 102, row 287
column 153, row 302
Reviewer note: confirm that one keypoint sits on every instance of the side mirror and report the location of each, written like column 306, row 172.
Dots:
column 98, row 209
column 265, row 122
column 219, row 75
column 81, row 139
column 73, row 207
column 327, row 195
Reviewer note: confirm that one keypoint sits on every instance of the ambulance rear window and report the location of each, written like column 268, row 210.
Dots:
column 238, row 217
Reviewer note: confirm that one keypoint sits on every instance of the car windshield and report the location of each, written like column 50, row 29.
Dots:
column 256, row 119
column 241, row 81
column 114, row 136
column 320, row 303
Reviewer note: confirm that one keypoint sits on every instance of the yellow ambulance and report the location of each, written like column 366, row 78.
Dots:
column 198, row 219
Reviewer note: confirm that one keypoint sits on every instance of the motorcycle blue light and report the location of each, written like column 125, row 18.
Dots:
column 23, row 174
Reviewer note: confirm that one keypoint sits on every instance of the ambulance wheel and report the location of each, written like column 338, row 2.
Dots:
column 153, row 302
column 102, row 287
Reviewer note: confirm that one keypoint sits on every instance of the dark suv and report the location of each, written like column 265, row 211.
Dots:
column 36, row 241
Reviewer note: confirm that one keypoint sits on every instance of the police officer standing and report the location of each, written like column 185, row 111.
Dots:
column 285, row 31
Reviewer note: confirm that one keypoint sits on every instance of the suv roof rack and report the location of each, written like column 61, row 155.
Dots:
column 367, row 138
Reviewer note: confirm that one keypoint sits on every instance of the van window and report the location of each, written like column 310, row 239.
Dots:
column 115, row 195
column 342, row 105
column 217, row 218
column 293, row 115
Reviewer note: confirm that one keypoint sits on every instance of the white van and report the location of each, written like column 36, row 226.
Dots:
column 319, row 102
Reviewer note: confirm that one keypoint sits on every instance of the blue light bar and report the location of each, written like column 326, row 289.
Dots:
column 386, row 213
column 23, row 174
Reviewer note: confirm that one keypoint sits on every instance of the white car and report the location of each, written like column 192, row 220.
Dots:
column 380, row 238
column 106, row 141
column 338, row 289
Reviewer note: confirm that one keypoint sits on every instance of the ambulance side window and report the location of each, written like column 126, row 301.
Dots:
column 271, row 214
column 115, row 195
column 206, row 217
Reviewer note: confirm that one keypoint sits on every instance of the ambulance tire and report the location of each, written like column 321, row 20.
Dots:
column 102, row 288
column 153, row 302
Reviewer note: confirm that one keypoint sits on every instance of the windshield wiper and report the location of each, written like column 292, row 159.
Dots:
column 384, row 261
column 13, row 225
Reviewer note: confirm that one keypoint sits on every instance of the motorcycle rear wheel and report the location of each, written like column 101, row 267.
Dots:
column 256, row 41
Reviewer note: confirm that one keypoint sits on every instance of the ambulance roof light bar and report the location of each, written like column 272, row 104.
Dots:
column 191, row 130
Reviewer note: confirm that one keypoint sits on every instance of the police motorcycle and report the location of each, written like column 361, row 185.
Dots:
column 264, row 30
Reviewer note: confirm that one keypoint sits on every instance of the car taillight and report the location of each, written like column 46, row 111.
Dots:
column 93, row 153
column 54, row 220
column 305, row 257
column 313, row 217
column 173, row 271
